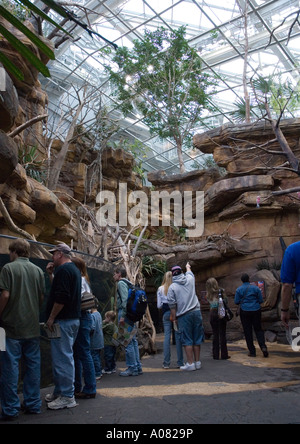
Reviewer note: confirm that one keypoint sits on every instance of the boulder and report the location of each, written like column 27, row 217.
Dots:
column 9, row 103
column 8, row 157
column 272, row 287
column 227, row 190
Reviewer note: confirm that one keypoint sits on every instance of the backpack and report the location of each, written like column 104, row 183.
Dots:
column 136, row 303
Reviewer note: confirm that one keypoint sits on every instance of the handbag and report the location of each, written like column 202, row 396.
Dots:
column 228, row 313
column 221, row 309
column 88, row 301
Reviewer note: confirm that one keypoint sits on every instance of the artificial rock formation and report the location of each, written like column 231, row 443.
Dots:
column 238, row 234
column 48, row 215
column 246, row 224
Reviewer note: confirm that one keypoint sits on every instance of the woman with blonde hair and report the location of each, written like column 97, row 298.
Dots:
column 162, row 302
column 218, row 325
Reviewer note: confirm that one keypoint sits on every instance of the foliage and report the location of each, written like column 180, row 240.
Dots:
column 239, row 115
column 19, row 11
column 14, row 16
column 28, row 158
column 162, row 78
column 152, row 268
column 281, row 96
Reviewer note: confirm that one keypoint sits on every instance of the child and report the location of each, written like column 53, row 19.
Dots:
column 97, row 342
column 109, row 328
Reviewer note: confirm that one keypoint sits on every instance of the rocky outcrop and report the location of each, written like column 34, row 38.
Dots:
column 248, row 149
column 8, row 157
column 9, row 104
column 23, row 99
column 32, row 206
column 47, row 215
column 226, row 191
column 245, row 221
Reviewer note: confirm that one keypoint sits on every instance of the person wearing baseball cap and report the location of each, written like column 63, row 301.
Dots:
column 176, row 271
column 185, row 309
column 63, row 248
column 63, row 307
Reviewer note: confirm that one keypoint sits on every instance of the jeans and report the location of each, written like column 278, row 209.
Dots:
column 132, row 351
column 133, row 355
column 62, row 358
column 15, row 349
column 191, row 326
column 96, row 356
column 167, row 348
column 110, row 357
column 83, row 357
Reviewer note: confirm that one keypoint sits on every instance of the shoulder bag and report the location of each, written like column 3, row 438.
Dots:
column 88, row 301
column 228, row 313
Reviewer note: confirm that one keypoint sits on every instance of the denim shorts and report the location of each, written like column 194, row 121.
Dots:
column 191, row 327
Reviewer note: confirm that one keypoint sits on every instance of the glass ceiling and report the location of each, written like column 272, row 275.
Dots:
column 214, row 27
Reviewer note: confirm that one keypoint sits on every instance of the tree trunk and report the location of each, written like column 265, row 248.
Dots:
column 293, row 161
column 246, row 93
column 180, row 158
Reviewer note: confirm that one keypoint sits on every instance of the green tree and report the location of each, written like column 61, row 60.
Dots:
column 162, row 78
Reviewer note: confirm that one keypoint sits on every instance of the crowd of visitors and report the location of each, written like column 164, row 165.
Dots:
column 79, row 336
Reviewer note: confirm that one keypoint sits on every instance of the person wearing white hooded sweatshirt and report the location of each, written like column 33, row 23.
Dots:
column 185, row 310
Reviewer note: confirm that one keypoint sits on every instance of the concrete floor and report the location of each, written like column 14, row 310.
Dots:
column 241, row 390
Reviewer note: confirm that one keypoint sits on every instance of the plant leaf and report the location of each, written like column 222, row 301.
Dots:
column 53, row 5
column 44, row 16
column 19, row 25
column 24, row 51
column 11, row 67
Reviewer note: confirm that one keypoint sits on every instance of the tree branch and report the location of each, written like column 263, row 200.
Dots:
column 23, row 127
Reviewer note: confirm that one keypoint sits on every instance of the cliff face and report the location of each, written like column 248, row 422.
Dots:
column 246, row 223
column 244, row 202
column 48, row 216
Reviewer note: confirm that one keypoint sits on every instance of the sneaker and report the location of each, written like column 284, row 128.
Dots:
column 166, row 366
column 140, row 371
column 62, row 402
column 129, row 372
column 188, row 367
column 198, row 365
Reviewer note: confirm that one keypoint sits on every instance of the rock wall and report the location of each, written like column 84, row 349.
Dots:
column 246, row 237
column 47, row 215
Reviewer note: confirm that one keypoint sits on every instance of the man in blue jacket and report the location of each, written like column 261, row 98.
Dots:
column 249, row 297
column 290, row 276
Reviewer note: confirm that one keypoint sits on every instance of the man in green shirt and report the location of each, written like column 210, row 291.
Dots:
column 22, row 286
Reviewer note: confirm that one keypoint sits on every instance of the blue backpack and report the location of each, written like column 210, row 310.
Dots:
column 136, row 303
